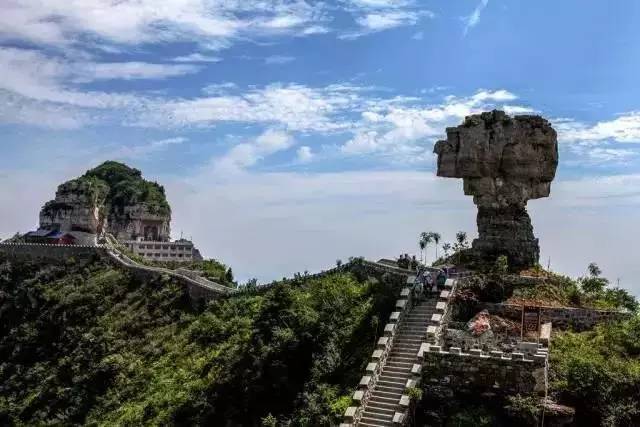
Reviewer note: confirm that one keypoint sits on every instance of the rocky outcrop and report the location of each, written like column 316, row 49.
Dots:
column 113, row 198
column 77, row 207
column 504, row 162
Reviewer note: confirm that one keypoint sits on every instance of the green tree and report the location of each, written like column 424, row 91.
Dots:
column 594, row 284
column 436, row 239
column 426, row 238
column 446, row 247
column 229, row 275
column 422, row 244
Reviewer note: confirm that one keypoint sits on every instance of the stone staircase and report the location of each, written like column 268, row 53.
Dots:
column 411, row 333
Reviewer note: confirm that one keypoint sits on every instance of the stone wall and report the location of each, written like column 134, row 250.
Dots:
column 506, row 373
column 48, row 253
column 579, row 319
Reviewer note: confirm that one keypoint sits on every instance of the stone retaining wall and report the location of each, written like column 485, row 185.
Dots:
column 49, row 253
column 508, row 373
column 579, row 319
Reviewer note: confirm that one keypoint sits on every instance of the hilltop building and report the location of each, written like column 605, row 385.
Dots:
column 181, row 250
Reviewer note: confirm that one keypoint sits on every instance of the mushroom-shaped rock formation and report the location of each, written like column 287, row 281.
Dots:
column 503, row 162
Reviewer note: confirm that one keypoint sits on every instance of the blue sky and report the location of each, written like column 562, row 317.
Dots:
column 306, row 128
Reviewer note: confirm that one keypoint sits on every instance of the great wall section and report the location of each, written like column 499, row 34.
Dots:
column 199, row 288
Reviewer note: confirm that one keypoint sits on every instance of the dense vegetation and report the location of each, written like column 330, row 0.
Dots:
column 89, row 344
column 598, row 372
column 548, row 289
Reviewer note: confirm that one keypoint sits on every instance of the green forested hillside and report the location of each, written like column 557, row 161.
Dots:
column 92, row 345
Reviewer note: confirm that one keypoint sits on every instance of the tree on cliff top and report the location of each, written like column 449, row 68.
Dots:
column 127, row 187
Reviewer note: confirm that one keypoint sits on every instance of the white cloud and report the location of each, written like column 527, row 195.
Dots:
column 144, row 150
column 384, row 21
column 92, row 71
column 278, row 59
column 378, row 15
column 249, row 153
column 625, row 128
column 608, row 155
column 212, row 22
column 297, row 107
column 405, row 129
column 197, row 57
column 473, row 19
column 304, row 154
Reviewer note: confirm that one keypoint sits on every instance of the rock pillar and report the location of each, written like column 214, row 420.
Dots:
column 504, row 162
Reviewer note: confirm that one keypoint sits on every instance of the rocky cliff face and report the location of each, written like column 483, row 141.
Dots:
column 75, row 208
column 112, row 198
column 504, row 162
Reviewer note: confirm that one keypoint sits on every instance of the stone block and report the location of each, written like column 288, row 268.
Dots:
column 346, row 425
column 401, row 304
column 441, row 306
column 377, row 355
column 364, row 381
column 545, row 334
column 431, row 330
column 424, row 348
column 398, row 418
column 435, row 348
column 350, row 413
column 436, row 318
column 411, row 280
column 517, row 356
column 395, row 316
column 496, row 354
column 404, row 293
column 404, row 401
column 455, row 350
column 383, row 342
column 449, row 283
column 357, row 396
column 389, row 329
column 371, row 368
column 411, row 383
column 445, row 294
column 475, row 352
column 416, row 369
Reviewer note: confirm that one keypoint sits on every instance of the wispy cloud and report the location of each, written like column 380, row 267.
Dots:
column 278, row 59
column 473, row 19
column 249, row 153
column 145, row 150
column 197, row 57
column 304, row 154
column 624, row 128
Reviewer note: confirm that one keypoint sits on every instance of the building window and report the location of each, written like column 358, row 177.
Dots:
column 157, row 247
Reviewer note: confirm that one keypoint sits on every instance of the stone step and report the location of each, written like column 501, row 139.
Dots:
column 393, row 376
column 392, row 388
column 397, row 369
column 390, row 397
column 374, row 424
column 372, row 407
column 402, row 353
column 405, row 359
column 381, row 403
column 398, row 364
column 408, row 346
column 368, row 421
column 393, row 383
column 399, row 357
column 376, row 416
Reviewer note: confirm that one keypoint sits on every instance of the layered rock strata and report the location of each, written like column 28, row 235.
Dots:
column 504, row 162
